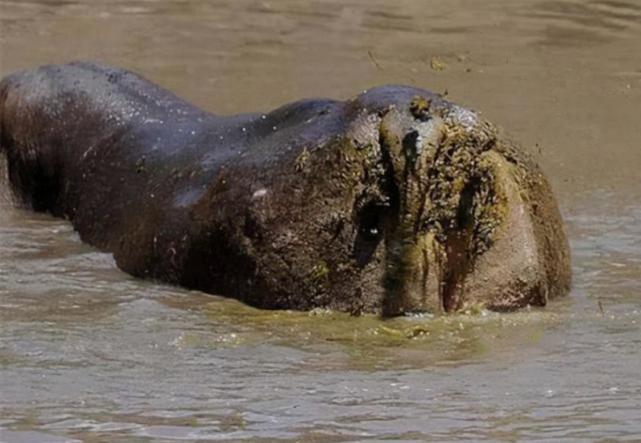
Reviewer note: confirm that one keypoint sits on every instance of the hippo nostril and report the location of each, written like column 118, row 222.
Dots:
column 412, row 145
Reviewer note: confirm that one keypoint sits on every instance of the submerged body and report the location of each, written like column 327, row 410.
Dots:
column 395, row 201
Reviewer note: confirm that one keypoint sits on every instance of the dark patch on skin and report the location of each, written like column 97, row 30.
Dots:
column 393, row 202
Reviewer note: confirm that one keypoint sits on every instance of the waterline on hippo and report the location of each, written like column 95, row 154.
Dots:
column 394, row 202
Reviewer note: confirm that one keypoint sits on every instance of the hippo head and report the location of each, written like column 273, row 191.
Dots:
column 411, row 204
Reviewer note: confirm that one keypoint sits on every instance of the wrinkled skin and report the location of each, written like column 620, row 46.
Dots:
column 393, row 202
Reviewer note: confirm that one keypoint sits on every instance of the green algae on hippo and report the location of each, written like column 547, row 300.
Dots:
column 396, row 201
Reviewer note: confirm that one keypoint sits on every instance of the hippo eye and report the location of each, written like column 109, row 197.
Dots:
column 370, row 232
column 369, row 223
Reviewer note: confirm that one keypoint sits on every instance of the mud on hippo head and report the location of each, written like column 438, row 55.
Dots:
column 413, row 204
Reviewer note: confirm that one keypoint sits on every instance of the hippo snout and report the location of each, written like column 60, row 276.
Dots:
column 474, row 222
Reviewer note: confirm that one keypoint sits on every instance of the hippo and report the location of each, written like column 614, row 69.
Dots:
column 394, row 202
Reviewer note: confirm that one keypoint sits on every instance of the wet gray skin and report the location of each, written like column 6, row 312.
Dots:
column 396, row 201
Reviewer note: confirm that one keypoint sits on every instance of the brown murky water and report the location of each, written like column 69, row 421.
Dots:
column 88, row 353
